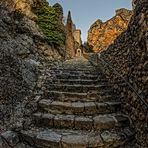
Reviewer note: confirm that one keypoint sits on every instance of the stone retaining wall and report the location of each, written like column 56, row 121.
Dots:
column 128, row 56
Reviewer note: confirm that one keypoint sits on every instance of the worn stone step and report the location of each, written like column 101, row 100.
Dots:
column 79, row 75
column 74, row 63
column 73, row 71
column 83, row 77
column 74, row 96
column 78, row 70
column 55, row 138
column 79, row 108
column 83, row 82
column 74, row 66
column 80, row 88
column 96, row 122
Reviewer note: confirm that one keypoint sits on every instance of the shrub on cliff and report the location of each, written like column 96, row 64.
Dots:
column 59, row 10
column 48, row 21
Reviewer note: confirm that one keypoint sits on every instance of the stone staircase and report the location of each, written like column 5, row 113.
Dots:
column 79, row 110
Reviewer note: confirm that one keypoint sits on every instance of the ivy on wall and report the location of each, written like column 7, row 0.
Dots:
column 48, row 21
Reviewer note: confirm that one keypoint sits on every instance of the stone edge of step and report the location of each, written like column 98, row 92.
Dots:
column 98, row 122
column 87, row 108
column 63, row 138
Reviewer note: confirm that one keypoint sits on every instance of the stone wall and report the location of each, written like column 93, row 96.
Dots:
column 23, row 53
column 102, row 34
column 128, row 58
column 77, row 36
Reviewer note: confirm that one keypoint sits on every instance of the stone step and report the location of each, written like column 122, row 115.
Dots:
column 73, row 71
column 74, row 96
column 79, row 69
column 79, row 108
column 80, row 88
column 96, row 122
column 83, row 82
column 83, row 77
column 79, row 75
column 55, row 138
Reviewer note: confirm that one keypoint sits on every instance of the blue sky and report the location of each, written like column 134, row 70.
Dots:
column 86, row 12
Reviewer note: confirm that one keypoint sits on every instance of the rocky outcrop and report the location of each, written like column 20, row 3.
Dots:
column 102, row 34
column 125, row 63
column 24, row 6
column 24, row 53
column 73, row 37
column 134, row 3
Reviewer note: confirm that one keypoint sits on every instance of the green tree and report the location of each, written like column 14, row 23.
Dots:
column 59, row 10
column 48, row 21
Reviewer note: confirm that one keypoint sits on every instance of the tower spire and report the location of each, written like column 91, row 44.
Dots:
column 69, row 22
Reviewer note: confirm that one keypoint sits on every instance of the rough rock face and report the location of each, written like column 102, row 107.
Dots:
column 102, row 34
column 128, row 56
column 134, row 2
column 17, row 5
column 23, row 52
column 73, row 37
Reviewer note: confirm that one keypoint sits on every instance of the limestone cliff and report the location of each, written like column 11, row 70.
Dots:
column 102, row 34
column 20, row 5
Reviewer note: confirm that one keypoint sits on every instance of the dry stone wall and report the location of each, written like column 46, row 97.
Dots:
column 128, row 58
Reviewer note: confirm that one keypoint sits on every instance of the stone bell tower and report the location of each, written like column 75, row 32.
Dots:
column 73, row 37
